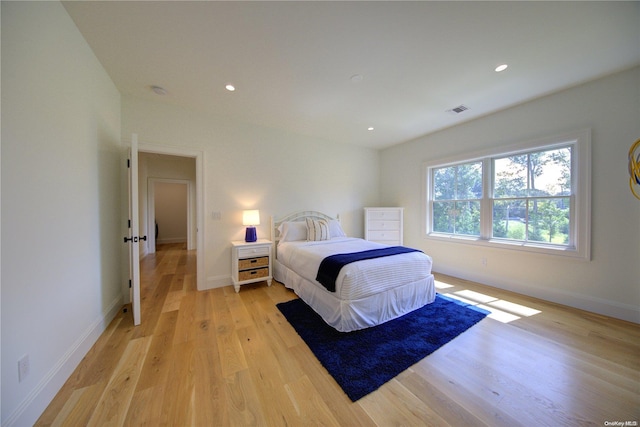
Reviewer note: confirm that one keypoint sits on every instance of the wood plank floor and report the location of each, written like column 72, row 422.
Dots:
column 217, row 358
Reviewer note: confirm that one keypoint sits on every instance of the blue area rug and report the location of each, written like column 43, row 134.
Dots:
column 362, row 361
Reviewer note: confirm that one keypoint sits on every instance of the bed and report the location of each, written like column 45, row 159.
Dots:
column 366, row 292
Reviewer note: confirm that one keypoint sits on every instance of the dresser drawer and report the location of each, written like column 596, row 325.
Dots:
column 253, row 252
column 246, row 264
column 380, row 236
column 383, row 225
column 253, row 274
column 385, row 215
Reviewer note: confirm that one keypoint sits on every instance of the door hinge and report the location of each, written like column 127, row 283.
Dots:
column 129, row 223
column 128, row 163
column 129, row 283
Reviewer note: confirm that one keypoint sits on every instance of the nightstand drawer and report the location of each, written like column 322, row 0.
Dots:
column 246, row 264
column 253, row 252
column 253, row 274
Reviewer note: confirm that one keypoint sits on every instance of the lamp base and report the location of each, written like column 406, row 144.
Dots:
column 251, row 235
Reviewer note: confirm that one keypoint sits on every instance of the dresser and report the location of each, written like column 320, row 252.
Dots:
column 383, row 225
column 250, row 262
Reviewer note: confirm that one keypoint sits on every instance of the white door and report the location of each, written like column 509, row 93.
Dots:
column 133, row 237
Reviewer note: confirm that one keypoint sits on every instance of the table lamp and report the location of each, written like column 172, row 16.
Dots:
column 251, row 218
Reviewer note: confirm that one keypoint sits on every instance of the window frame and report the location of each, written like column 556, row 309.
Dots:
column 580, row 218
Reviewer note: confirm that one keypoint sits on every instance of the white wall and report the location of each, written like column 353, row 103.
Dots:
column 610, row 282
column 259, row 168
column 61, row 241
column 171, row 212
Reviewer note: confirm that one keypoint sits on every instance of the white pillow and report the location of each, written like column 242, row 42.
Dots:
column 317, row 229
column 335, row 229
column 293, row 231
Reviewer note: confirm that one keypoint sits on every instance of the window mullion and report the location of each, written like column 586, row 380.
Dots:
column 487, row 196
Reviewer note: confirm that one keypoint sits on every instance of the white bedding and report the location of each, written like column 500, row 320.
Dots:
column 367, row 293
column 359, row 279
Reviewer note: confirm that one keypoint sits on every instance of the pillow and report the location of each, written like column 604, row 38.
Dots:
column 292, row 231
column 335, row 229
column 317, row 229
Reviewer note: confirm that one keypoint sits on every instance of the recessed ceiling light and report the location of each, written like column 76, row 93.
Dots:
column 356, row 78
column 158, row 90
column 501, row 68
column 230, row 87
column 370, row 128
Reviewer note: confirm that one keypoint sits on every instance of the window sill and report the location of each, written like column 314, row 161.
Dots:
column 512, row 245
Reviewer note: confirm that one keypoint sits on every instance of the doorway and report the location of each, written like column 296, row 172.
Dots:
column 170, row 210
column 171, row 164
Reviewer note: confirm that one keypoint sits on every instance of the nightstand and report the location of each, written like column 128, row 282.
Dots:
column 250, row 262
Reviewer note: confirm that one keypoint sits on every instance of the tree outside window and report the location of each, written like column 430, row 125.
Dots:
column 531, row 196
column 457, row 197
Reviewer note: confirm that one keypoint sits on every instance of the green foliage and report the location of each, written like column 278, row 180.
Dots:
column 516, row 231
column 457, row 190
column 550, row 219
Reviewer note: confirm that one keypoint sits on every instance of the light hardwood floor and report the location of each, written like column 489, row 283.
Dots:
column 217, row 358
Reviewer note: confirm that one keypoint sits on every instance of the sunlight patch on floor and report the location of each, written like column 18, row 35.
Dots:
column 499, row 315
column 512, row 307
column 500, row 310
column 475, row 296
column 442, row 285
column 459, row 298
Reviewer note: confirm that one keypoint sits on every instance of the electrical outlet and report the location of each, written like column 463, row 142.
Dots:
column 484, row 261
column 217, row 216
column 23, row 368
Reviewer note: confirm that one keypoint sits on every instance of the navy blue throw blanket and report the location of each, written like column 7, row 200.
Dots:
column 330, row 266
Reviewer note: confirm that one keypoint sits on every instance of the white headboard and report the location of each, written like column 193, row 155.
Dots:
column 296, row 216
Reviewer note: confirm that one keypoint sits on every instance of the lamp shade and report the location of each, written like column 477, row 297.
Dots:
column 251, row 217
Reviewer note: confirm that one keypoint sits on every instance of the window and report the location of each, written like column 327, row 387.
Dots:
column 533, row 196
column 457, row 195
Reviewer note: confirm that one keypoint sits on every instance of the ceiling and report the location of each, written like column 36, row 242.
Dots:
column 295, row 65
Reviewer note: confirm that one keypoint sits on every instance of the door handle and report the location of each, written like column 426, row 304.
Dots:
column 135, row 239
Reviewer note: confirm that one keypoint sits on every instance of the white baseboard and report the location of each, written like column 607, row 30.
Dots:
column 172, row 240
column 30, row 409
column 213, row 282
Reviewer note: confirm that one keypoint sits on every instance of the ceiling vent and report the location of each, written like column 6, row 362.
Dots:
column 457, row 110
